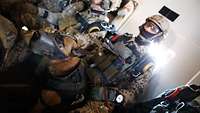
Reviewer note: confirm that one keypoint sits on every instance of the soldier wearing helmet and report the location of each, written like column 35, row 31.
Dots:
column 120, row 74
column 154, row 29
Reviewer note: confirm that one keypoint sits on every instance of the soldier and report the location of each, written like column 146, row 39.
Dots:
column 119, row 74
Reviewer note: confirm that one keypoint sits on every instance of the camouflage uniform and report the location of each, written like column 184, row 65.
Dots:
column 123, row 70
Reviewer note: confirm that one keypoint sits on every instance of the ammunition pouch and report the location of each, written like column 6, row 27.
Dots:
column 106, row 94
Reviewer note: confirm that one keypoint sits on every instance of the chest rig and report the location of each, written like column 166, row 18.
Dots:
column 118, row 62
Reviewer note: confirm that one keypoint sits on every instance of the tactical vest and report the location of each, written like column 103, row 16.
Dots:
column 117, row 63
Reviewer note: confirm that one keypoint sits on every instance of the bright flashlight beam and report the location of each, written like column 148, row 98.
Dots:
column 160, row 54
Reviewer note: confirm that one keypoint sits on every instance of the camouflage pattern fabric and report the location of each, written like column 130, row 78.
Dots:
column 93, row 107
